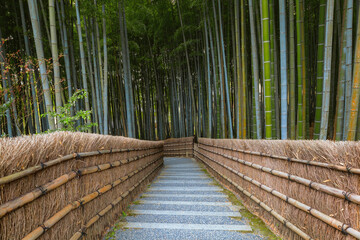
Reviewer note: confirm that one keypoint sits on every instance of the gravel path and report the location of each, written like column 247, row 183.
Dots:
column 183, row 203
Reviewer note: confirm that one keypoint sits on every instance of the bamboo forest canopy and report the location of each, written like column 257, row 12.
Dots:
column 154, row 69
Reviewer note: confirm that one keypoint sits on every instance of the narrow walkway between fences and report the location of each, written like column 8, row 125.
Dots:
column 184, row 203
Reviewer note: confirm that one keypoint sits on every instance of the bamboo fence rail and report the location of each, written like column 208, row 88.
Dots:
column 351, row 197
column 347, row 168
column 41, row 174
column 345, row 228
column 284, row 221
column 42, row 190
column 100, row 214
column 34, row 169
column 84, row 200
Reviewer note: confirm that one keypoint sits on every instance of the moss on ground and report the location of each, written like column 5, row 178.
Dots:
column 120, row 224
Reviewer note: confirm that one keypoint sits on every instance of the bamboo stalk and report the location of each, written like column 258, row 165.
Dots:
column 34, row 169
column 307, row 162
column 101, row 213
column 351, row 197
column 316, row 213
column 288, row 224
column 67, row 209
column 42, row 190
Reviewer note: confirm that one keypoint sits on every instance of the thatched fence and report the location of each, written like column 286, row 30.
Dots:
column 179, row 147
column 69, row 185
column 301, row 189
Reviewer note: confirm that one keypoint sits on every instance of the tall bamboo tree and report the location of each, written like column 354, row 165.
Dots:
column 349, row 63
column 355, row 96
column 267, row 67
column 55, row 58
column 327, row 69
column 105, row 89
column 283, row 63
column 42, row 64
column 255, row 69
column 320, row 67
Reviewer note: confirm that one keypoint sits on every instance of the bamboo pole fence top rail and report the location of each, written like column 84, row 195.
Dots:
column 18, row 154
column 42, row 190
column 351, row 197
column 344, row 168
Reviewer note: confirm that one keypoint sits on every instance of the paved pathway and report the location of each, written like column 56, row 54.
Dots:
column 183, row 203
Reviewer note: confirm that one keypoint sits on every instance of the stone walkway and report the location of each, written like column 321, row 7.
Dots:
column 184, row 203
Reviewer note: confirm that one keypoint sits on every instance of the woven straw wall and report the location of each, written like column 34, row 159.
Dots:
column 18, row 154
column 179, row 147
column 218, row 158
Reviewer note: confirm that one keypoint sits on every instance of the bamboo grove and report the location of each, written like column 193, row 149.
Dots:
column 153, row 69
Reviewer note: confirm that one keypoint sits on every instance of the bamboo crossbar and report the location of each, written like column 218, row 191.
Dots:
column 105, row 210
column 42, row 190
column 177, row 149
column 177, row 144
column 344, row 228
column 288, row 224
column 86, row 199
column 351, row 197
column 34, row 169
column 348, row 169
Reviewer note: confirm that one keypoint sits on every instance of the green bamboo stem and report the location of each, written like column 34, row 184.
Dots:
column 243, row 103
column 300, row 69
column 320, row 68
column 267, row 68
column 292, row 69
column 327, row 70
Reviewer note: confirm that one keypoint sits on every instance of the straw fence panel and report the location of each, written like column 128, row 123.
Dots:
column 179, row 147
column 18, row 154
column 224, row 156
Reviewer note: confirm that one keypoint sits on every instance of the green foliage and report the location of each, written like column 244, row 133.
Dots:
column 5, row 106
column 64, row 115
